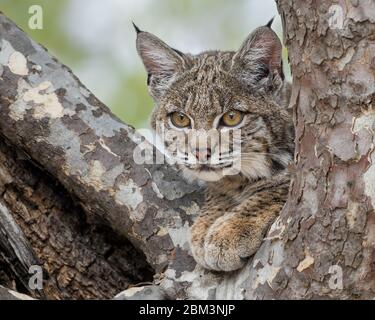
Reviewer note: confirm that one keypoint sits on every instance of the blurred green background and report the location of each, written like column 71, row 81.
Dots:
column 95, row 38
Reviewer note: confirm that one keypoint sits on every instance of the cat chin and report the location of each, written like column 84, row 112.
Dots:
column 202, row 176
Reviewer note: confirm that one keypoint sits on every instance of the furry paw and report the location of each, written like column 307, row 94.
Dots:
column 225, row 242
column 230, row 242
column 197, row 236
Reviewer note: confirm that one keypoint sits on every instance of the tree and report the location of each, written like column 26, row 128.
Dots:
column 71, row 193
column 70, row 185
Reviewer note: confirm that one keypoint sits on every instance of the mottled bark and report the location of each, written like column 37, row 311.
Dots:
column 69, row 182
column 329, row 219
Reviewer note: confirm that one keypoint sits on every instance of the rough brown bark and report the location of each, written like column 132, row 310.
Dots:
column 80, row 260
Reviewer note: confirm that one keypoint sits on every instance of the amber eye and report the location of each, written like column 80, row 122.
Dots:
column 180, row 120
column 232, row 118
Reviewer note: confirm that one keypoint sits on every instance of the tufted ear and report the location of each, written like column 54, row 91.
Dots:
column 259, row 57
column 162, row 62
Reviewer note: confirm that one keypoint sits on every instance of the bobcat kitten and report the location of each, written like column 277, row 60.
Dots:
column 225, row 92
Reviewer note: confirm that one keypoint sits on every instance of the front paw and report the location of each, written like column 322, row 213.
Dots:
column 230, row 243
column 196, row 238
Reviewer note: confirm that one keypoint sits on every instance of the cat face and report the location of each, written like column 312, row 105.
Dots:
column 218, row 113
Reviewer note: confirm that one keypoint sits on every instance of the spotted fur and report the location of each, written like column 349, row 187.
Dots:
column 240, row 205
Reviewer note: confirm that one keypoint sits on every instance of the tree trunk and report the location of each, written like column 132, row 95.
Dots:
column 328, row 247
column 72, row 195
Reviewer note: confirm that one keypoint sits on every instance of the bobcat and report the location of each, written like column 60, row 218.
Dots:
column 225, row 92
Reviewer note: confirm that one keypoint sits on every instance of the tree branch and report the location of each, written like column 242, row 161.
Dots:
column 48, row 113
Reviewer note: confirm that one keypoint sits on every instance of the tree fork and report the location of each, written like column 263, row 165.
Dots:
column 73, row 187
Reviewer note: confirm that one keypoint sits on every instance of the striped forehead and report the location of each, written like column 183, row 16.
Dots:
column 203, row 100
column 204, row 91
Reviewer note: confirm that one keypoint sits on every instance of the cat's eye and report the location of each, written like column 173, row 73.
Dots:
column 232, row 118
column 180, row 120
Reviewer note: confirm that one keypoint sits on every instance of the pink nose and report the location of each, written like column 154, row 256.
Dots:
column 202, row 154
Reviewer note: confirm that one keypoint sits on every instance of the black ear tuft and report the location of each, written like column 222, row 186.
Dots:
column 282, row 71
column 137, row 30
column 269, row 24
column 178, row 52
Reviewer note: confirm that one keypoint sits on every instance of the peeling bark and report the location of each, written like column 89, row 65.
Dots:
column 329, row 218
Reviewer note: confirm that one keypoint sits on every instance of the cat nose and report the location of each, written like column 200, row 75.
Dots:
column 202, row 154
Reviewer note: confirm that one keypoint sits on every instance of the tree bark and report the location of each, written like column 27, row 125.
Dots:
column 68, row 181
column 41, row 224
column 323, row 243
column 70, row 184
column 329, row 219
column 6, row 294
